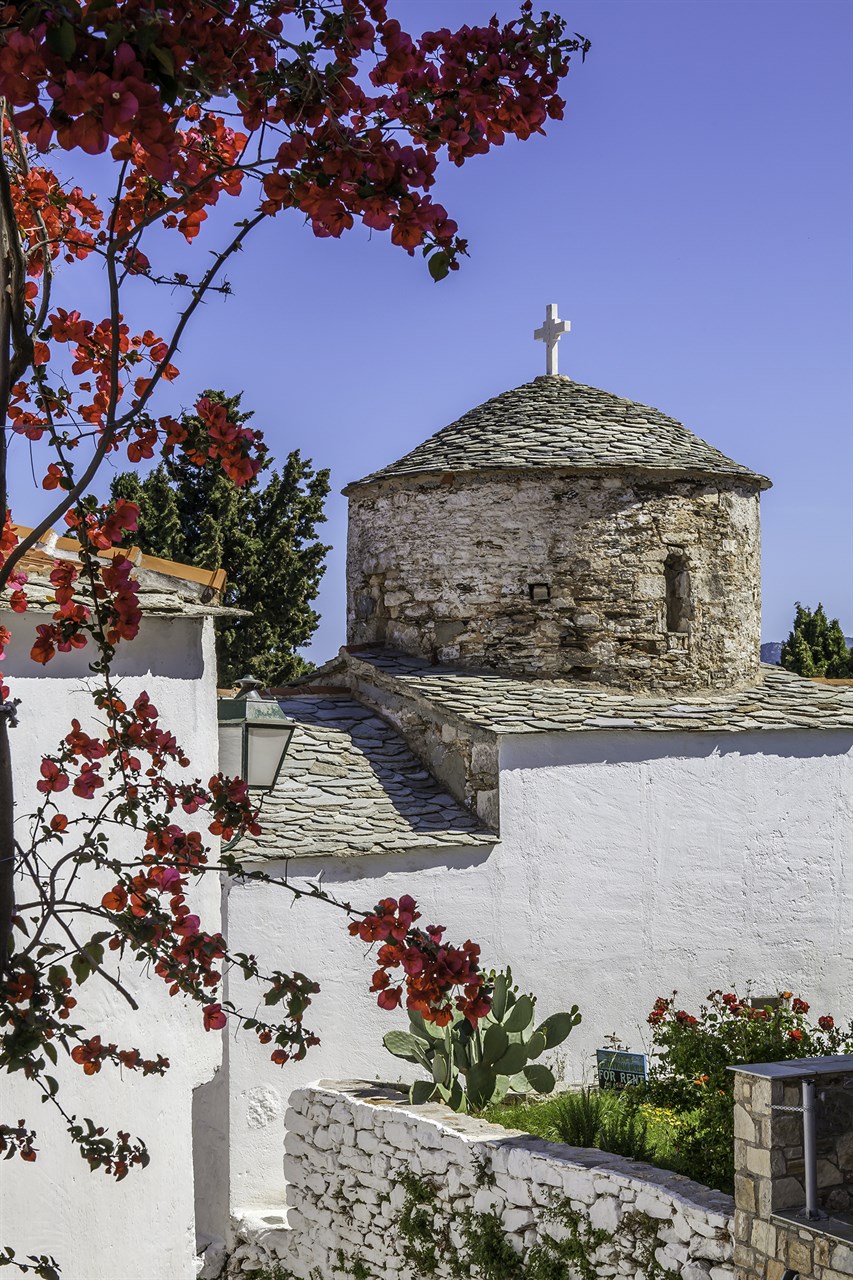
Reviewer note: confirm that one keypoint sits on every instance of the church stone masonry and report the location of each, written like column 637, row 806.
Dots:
column 561, row 531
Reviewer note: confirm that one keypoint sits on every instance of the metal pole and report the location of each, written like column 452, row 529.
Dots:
column 810, row 1150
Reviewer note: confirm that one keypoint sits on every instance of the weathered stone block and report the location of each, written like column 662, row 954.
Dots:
column 763, row 1237
column 745, row 1193
column 799, row 1255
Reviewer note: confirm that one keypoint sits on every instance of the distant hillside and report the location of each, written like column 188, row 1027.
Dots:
column 771, row 650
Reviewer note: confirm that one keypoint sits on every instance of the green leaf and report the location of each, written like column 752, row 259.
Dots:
column 421, row 1091
column 81, row 968
column 61, row 40
column 439, row 264
column 115, row 35
column 540, row 1078
column 480, row 1085
column 536, row 1045
column 495, row 1044
column 457, row 1099
column 499, row 997
column 426, row 1031
column 440, row 1069
column 403, row 1045
column 520, row 1015
column 512, row 1061
column 501, row 1089
column 164, row 57
column 462, row 1054
column 556, row 1028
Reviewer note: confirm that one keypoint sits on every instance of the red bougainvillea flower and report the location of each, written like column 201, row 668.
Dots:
column 799, row 1006
column 338, row 138
column 214, row 1017
column 826, row 1023
column 52, row 777
column 433, row 969
column 795, row 1034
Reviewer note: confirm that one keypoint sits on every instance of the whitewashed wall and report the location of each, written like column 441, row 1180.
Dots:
column 630, row 864
column 142, row 1228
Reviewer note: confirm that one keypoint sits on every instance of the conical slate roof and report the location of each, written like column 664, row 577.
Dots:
column 556, row 423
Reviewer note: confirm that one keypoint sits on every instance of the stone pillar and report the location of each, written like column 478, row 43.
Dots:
column 769, row 1177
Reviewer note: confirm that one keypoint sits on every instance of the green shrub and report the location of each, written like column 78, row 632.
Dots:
column 693, row 1052
column 625, row 1131
column 599, row 1118
column 683, row 1119
column 577, row 1117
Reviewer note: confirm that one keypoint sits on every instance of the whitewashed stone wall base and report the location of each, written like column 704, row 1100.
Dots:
column 347, row 1144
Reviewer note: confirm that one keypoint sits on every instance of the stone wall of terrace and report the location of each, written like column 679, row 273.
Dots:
column 379, row 1189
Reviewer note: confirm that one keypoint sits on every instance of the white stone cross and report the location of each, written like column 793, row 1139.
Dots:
column 550, row 333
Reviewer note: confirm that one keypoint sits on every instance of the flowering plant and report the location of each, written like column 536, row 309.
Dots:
column 692, row 1054
column 324, row 107
column 694, row 1051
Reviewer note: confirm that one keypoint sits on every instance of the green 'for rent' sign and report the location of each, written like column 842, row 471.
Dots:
column 617, row 1068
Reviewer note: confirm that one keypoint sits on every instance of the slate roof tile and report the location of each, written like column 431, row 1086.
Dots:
column 554, row 422
column 502, row 704
column 379, row 799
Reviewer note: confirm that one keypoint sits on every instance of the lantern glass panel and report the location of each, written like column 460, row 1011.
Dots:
column 231, row 748
column 266, row 748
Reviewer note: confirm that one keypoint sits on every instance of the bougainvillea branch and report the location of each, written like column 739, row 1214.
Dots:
column 328, row 109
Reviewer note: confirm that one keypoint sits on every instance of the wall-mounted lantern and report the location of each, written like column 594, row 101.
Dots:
column 254, row 735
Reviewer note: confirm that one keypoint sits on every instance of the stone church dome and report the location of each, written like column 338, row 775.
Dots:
column 555, row 422
column 559, row 530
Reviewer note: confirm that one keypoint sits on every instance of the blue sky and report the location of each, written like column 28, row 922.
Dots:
column 691, row 216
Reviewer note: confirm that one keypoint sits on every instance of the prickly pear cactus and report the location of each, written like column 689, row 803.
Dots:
column 470, row 1067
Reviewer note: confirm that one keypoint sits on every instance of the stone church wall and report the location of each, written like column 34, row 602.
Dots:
column 620, row 580
column 358, row 1156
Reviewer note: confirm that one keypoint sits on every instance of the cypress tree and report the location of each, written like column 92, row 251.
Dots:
column 816, row 646
column 263, row 536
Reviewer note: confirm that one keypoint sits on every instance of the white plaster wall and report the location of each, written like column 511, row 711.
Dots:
column 143, row 1227
column 630, row 864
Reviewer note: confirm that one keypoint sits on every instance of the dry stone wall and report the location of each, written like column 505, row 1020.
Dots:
column 622, row 580
column 374, row 1181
